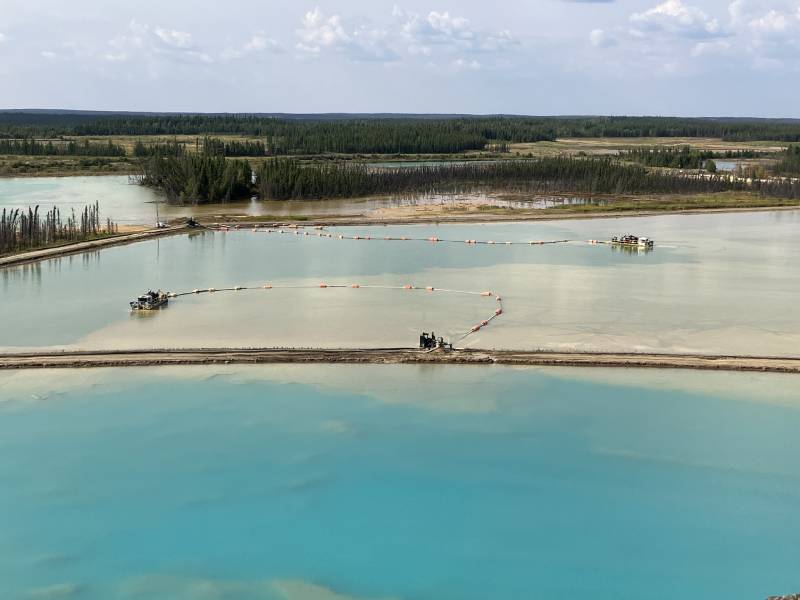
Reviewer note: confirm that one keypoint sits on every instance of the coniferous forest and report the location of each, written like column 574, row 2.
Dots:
column 32, row 147
column 683, row 157
column 789, row 163
column 197, row 177
column 388, row 134
column 209, row 178
column 28, row 229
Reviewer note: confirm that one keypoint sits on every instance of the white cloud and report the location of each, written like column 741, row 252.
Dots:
column 115, row 56
column 600, row 38
column 454, row 33
column 174, row 38
column 143, row 41
column 49, row 55
column 771, row 23
column 3, row 37
column 320, row 34
column 713, row 47
column 462, row 64
column 736, row 10
column 676, row 18
column 259, row 43
column 674, row 30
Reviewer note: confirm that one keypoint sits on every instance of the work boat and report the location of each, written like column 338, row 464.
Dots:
column 150, row 301
column 633, row 240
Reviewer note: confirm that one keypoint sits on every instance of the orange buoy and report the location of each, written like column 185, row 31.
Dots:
column 499, row 311
column 355, row 237
column 323, row 285
column 408, row 286
column 267, row 286
column 366, row 237
column 355, row 285
column 430, row 289
column 486, row 293
column 484, row 323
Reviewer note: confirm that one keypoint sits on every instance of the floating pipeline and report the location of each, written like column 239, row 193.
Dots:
column 320, row 232
column 356, row 286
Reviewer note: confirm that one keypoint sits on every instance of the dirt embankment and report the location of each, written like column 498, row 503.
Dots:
column 126, row 358
column 132, row 235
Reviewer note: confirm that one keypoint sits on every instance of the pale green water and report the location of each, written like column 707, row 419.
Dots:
column 724, row 283
column 130, row 204
column 341, row 482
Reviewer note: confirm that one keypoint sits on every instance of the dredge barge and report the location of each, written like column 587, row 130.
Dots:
column 632, row 241
column 150, row 301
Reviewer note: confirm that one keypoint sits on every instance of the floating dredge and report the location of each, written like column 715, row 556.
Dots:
column 150, row 301
column 632, row 240
column 431, row 342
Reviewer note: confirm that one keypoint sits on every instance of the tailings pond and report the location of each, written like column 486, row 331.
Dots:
column 717, row 283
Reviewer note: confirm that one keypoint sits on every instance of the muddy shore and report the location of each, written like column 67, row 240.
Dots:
column 149, row 358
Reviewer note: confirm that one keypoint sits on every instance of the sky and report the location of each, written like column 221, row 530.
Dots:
column 538, row 57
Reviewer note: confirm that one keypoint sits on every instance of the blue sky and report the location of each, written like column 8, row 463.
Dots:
column 676, row 57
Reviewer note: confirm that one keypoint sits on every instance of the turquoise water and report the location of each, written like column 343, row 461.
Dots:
column 715, row 283
column 336, row 482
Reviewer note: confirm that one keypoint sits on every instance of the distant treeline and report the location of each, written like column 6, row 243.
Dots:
column 683, row 157
column 398, row 134
column 789, row 164
column 141, row 149
column 208, row 178
column 27, row 229
column 32, row 147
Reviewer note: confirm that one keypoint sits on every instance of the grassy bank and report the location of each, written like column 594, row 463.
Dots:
column 64, row 166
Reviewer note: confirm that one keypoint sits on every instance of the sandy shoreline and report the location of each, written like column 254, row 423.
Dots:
column 421, row 217
column 148, row 358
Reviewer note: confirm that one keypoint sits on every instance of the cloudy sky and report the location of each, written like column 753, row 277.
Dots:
column 677, row 57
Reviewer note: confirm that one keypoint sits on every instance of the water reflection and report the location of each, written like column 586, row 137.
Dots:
column 29, row 274
column 128, row 203
column 631, row 250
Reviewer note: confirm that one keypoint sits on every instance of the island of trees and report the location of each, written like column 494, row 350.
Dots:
column 205, row 177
